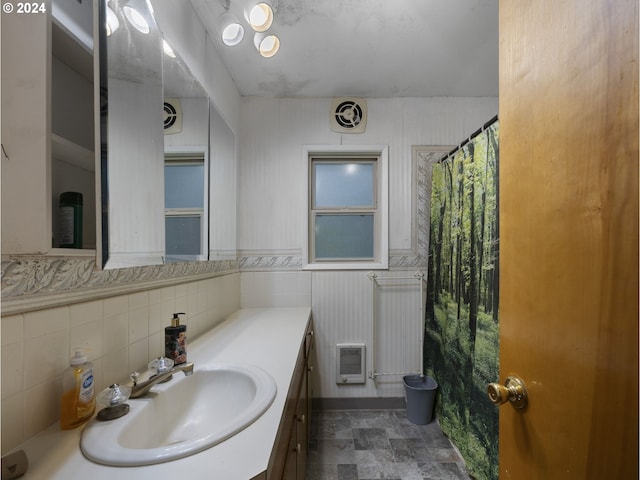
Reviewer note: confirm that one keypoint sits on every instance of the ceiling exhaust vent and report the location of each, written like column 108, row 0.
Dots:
column 172, row 116
column 348, row 115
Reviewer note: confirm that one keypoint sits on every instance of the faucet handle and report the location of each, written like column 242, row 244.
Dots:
column 134, row 377
column 161, row 364
column 113, row 395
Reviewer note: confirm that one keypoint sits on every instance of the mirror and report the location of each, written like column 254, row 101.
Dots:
column 131, row 136
column 152, row 180
column 186, row 156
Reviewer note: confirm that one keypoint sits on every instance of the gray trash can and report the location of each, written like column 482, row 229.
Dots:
column 421, row 394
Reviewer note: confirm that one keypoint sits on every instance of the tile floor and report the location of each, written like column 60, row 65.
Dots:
column 379, row 444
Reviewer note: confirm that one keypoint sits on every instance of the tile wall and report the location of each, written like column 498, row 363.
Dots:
column 120, row 334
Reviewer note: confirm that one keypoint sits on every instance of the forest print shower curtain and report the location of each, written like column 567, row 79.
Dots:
column 461, row 342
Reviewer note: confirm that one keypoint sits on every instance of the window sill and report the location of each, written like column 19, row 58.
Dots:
column 347, row 266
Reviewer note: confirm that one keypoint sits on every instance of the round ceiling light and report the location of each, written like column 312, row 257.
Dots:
column 232, row 34
column 261, row 17
column 267, row 45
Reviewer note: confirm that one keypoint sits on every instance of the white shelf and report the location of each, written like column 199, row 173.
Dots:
column 70, row 152
column 72, row 252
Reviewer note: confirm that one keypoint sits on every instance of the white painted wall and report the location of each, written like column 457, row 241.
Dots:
column 272, row 219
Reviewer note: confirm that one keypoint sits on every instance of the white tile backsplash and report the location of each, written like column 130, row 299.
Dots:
column 115, row 305
column 12, row 329
column 156, row 318
column 45, row 357
column 41, row 405
column 138, row 323
column 138, row 299
column 87, row 337
column 119, row 334
column 115, row 332
column 81, row 313
column 12, row 420
column 43, row 322
column 12, row 370
column 138, row 355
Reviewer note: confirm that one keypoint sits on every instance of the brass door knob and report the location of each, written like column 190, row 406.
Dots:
column 513, row 391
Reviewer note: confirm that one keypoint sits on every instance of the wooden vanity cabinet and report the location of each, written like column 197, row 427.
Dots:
column 289, row 456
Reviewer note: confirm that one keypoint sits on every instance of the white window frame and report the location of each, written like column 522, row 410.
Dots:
column 381, row 222
column 182, row 156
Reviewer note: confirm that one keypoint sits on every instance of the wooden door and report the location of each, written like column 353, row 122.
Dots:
column 569, row 237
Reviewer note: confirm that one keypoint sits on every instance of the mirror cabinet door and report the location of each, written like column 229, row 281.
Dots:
column 186, row 156
column 167, row 168
column 132, row 147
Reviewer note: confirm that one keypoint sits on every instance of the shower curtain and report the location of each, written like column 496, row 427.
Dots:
column 461, row 334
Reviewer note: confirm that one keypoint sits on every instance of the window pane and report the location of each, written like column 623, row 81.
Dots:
column 347, row 236
column 341, row 184
column 183, row 186
column 183, row 234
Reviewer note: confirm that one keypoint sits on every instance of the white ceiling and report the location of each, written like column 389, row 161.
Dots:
column 368, row 48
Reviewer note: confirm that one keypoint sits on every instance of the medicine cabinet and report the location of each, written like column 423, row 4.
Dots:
column 50, row 106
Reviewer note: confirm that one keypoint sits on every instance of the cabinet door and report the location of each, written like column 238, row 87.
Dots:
column 26, row 156
column 302, row 432
column 290, row 464
column 311, row 361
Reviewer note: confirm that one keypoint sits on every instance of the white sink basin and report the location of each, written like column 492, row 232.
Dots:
column 182, row 417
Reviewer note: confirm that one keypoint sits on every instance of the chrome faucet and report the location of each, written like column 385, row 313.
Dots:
column 161, row 373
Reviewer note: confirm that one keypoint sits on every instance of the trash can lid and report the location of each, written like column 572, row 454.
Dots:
column 418, row 382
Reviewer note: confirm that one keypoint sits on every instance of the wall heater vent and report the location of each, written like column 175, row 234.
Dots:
column 350, row 363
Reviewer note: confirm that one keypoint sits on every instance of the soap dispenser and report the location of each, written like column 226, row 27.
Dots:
column 78, row 395
column 175, row 340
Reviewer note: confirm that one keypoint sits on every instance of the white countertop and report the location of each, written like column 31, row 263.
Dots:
column 267, row 337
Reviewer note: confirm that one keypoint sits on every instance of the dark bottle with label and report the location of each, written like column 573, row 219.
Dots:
column 175, row 340
column 70, row 216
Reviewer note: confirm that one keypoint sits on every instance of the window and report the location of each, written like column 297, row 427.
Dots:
column 185, row 190
column 347, row 224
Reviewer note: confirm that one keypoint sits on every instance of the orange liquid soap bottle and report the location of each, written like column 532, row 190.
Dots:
column 78, row 393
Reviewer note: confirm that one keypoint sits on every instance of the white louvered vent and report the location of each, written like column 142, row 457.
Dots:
column 172, row 116
column 350, row 363
column 348, row 115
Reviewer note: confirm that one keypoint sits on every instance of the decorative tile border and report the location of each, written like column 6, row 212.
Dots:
column 40, row 281
column 261, row 260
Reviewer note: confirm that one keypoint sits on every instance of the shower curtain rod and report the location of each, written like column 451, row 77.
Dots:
column 471, row 137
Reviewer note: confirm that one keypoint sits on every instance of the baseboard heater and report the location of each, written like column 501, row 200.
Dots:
column 350, row 363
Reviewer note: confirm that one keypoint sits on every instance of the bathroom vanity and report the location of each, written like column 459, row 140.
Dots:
column 273, row 447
